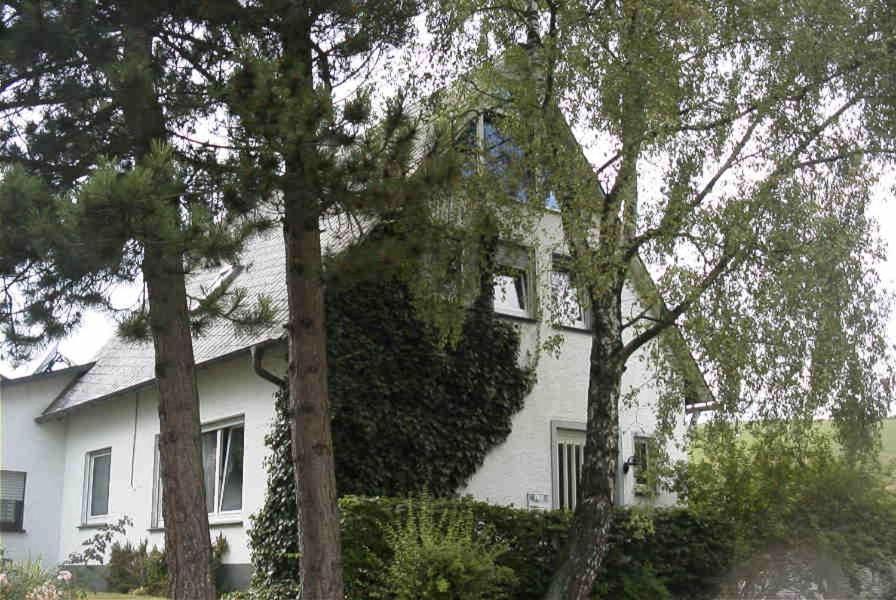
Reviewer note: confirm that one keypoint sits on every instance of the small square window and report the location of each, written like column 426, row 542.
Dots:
column 511, row 282
column 567, row 309
column 12, row 500
column 96, row 489
column 511, row 291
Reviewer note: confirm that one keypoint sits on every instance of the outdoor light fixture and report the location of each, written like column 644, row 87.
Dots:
column 631, row 461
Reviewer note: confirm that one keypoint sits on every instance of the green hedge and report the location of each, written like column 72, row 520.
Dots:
column 655, row 554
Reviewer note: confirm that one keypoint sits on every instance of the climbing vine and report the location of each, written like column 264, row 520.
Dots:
column 410, row 413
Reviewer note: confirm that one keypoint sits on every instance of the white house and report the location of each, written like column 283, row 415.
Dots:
column 78, row 446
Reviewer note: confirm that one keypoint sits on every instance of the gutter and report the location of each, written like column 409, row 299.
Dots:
column 257, row 352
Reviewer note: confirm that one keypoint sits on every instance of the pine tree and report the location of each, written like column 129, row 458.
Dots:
column 100, row 188
column 317, row 156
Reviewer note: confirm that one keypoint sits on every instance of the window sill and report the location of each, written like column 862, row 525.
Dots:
column 513, row 317
column 97, row 525
column 12, row 530
column 574, row 328
column 226, row 522
column 212, row 524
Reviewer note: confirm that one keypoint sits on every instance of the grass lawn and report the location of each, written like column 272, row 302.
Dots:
column 107, row 596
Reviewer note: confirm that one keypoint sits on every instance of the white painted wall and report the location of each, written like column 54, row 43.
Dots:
column 523, row 463
column 37, row 450
column 129, row 425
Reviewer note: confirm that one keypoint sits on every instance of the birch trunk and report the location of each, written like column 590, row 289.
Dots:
column 589, row 533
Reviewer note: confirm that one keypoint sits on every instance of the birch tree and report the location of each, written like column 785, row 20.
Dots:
column 740, row 143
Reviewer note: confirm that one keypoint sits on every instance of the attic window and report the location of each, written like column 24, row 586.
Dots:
column 505, row 159
column 225, row 276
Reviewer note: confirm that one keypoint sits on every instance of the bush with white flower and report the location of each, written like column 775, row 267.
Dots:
column 28, row 580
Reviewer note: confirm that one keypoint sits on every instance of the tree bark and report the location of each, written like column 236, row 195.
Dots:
column 321, row 554
column 589, row 532
column 187, row 543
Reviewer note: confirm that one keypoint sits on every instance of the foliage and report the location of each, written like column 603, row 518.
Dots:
column 681, row 555
column 409, row 413
column 134, row 568
column 28, row 580
column 444, row 557
column 794, row 509
column 96, row 545
column 653, row 553
column 734, row 159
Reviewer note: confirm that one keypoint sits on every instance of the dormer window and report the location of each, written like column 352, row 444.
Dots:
column 512, row 282
column 505, row 159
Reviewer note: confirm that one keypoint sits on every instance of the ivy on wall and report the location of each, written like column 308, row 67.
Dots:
column 409, row 413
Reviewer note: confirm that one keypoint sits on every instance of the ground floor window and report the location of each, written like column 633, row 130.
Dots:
column 222, row 469
column 96, row 485
column 12, row 500
column 569, row 454
column 644, row 451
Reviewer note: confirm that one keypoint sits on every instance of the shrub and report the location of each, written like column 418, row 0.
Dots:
column 443, row 557
column 677, row 554
column 138, row 570
column 28, row 580
column 134, row 569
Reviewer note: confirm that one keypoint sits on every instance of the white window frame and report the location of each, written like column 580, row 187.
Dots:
column 89, row 461
column 16, row 526
column 157, row 520
column 641, row 488
column 562, row 432
column 584, row 322
column 510, row 257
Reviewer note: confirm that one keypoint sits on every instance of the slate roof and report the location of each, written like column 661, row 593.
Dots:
column 121, row 365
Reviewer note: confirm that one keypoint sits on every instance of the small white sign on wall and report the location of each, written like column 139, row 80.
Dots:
column 538, row 501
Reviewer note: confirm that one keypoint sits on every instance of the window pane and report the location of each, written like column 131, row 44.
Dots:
column 568, row 309
column 232, row 469
column 209, row 446
column 510, row 291
column 505, row 159
column 12, row 499
column 99, row 487
column 642, row 456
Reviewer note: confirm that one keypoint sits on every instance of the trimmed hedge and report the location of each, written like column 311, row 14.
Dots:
column 655, row 554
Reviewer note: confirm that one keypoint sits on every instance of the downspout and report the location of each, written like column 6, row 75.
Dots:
column 257, row 352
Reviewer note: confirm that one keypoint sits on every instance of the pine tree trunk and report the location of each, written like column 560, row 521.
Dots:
column 589, row 532
column 321, row 554
column 187, row 542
